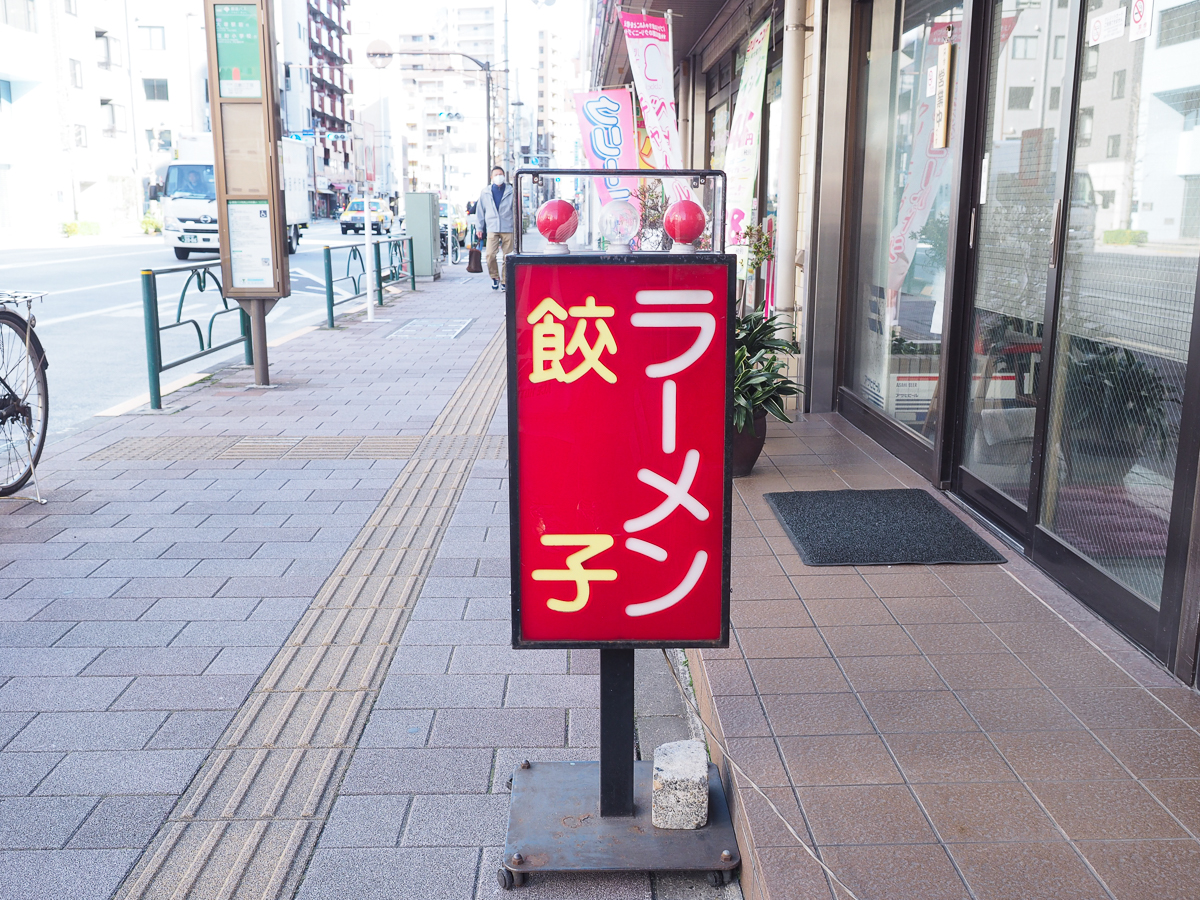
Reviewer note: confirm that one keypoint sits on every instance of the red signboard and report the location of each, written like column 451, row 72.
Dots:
column 619, row 414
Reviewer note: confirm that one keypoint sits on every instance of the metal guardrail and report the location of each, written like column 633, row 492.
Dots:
column 201, row 274
column 398, row 266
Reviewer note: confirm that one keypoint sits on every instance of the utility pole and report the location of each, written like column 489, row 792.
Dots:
column 507, row 126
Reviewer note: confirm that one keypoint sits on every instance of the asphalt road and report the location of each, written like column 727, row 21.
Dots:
column 91, row 321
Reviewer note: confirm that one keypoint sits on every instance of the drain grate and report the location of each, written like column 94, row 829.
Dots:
column 191, row 447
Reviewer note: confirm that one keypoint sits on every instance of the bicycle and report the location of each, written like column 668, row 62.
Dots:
column 24, row 397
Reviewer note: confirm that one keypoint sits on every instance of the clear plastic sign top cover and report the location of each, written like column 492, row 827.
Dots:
column 618, row 211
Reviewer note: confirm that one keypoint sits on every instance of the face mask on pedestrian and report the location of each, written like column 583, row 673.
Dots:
column 497, row 180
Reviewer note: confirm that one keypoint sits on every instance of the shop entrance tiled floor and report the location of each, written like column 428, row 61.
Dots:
column 940, row 732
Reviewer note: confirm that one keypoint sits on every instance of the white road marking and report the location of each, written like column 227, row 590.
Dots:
column 42, row 323
column 59, row 262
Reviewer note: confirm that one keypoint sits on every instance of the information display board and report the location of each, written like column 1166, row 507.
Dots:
column 239, row 70
column 246, row 131
column 620, row 416
column 250, row 243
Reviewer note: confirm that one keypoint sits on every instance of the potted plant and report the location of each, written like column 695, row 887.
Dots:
column 1115, row 406
column 759, row 385
column 759, row 250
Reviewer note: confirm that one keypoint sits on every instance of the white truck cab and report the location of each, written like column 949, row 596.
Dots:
column 189, row 195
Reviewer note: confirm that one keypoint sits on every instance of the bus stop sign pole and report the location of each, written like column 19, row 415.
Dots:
column 246, row 132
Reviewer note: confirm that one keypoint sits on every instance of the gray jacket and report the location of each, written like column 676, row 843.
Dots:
column 495, row 220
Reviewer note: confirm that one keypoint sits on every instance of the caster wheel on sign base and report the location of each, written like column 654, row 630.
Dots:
column 506, row 879
column 714, row 878
column 519, row 878
column 730, row 876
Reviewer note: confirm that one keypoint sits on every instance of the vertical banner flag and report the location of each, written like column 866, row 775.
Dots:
column 741, row 153
column 609, row 138
column 648, row 40
column 932, row 133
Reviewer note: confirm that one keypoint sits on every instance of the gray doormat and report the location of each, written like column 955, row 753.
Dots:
column 876, row 528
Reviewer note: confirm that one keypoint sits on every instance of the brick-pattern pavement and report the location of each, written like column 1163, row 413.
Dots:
column 424, row 804
column 940, row 732
column 177, row 626
column 140, row 606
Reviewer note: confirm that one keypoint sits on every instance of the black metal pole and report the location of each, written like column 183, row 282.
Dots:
column 616, row 732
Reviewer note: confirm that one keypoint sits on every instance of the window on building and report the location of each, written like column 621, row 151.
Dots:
column 1179, row 24
column 1091, row 62
column 1020, row 97
column 1191, row 119
column 153, row 37
column 1189, row 222
column 19, row 14
column 1083, row 127
column 1055, row 97
column 108, row 50
column 1063, row 4
column 1060, row 46
column 80, row 135
column 113, row 117
column 1118, row 85
column 1114, row 146
column 71, row 7
column 1106, row 198
column 541, row 79
column 76, row 68
column 156, row 88
column 1024, row 47
column 5, row 97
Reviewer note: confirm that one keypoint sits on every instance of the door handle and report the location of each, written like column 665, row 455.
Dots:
column 1054, row 234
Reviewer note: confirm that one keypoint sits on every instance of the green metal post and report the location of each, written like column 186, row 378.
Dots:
column 153, row 350
column 412, row 272
column 378, row 277
column 328, row 288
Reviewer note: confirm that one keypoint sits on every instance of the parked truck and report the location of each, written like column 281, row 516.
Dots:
column 189, row 195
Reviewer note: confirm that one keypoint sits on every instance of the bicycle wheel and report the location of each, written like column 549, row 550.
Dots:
column 454, row 251
column 24, row 403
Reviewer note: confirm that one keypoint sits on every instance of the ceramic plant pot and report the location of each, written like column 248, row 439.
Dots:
column 747, row 445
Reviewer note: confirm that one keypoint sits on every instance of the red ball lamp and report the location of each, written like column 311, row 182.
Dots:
column 684, row 221
column 557, row 221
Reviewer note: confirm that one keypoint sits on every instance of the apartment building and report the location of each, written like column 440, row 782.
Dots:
column 68, row 114
column 316, row 83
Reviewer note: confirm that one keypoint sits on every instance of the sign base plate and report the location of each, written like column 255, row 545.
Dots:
column 554, row 824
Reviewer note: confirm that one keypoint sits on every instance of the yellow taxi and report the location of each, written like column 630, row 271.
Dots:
column 352, row 217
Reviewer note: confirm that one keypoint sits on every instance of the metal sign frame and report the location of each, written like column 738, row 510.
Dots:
column 237, row 108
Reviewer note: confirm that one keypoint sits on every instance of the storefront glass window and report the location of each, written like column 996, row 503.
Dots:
column 774, row 136
column 908, row 146
column 1125, row 313
column 719, row 137
column 1012, row 245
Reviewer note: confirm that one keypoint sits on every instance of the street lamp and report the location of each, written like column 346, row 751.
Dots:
column 379, row 53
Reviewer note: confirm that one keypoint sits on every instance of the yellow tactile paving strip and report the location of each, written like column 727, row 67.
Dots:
column 251, row 816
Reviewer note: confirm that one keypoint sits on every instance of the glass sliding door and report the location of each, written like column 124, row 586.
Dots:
column 910, row 101
column 1027, row 78
column 1124, row 314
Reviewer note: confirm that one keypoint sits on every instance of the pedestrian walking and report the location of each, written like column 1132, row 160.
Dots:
column 494, row 214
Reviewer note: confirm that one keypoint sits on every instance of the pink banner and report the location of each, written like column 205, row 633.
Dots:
column 648, row 40
column 609, row 138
